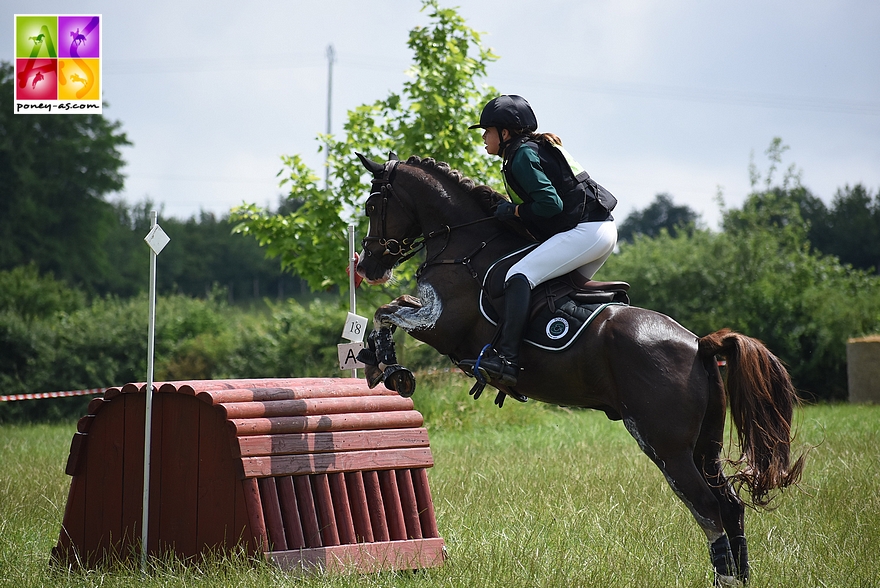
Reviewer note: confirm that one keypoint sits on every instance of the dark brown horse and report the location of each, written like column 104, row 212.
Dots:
column 637, row 365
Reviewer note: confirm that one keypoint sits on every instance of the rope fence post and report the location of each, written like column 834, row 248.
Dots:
column 157, row 239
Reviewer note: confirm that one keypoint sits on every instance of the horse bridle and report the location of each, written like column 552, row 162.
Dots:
column 397, row 251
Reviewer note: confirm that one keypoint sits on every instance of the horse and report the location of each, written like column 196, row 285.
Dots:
column 78, row 38
column 637, row 365
column 77, row 78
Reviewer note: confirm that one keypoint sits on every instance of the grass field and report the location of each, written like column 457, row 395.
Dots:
column 528, row 495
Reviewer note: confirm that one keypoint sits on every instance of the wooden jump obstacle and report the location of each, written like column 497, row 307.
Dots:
column 309, row 472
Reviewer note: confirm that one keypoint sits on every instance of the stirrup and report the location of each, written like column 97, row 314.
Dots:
column 504, row 375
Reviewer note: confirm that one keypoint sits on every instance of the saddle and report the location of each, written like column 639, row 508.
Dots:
column 560, row 309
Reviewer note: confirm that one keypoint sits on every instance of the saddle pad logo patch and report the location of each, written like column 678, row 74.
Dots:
column 557, row 328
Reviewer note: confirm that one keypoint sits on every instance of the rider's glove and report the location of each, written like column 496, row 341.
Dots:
column 505, row 211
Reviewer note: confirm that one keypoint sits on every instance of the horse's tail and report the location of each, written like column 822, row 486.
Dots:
column 762, row 400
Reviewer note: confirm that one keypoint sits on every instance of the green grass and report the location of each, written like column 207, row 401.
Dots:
column 528, row 495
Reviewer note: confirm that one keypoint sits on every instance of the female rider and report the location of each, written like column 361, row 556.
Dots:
column 558, row 203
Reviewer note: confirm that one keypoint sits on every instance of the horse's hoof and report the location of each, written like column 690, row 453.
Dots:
column 400, row 379
column 373, row 375
column 727, row 581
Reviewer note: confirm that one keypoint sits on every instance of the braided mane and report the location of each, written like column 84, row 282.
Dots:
column 487, row 198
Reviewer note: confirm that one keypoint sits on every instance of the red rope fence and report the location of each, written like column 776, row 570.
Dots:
column 39, row 395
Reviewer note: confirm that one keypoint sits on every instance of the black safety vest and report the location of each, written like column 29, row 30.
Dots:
column 572, row 183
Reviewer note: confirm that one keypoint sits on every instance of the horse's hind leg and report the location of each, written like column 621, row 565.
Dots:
column 677, row 463
column 732, row 514
column 707, row 458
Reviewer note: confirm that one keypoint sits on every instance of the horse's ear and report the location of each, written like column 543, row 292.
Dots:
column 392, row 156
column 372, row 167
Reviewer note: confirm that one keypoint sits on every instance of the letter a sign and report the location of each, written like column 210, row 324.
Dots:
column 348, row 355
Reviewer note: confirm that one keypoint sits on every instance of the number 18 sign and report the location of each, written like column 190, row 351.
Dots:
column 354, row 330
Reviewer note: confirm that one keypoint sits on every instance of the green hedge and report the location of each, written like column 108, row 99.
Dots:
column 763, row 283
column 52, row 340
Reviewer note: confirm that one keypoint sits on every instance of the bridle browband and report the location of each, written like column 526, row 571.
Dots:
column 400, row 250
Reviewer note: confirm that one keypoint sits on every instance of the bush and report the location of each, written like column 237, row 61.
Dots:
column 50, row 340
column 764, row 283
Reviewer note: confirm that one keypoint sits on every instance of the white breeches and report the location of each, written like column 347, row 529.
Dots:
column 583, row 248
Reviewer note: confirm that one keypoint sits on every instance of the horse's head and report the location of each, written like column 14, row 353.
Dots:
column 410, row 204
column 394, row 229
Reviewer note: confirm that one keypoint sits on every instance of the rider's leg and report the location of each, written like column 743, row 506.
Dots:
column 504, row 365
column 585, row 246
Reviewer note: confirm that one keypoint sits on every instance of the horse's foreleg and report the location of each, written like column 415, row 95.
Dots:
column 380, row 361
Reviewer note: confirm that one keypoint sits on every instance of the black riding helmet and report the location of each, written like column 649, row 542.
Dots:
column 508, row 111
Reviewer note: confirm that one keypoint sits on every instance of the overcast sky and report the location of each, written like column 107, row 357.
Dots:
column 650, row 96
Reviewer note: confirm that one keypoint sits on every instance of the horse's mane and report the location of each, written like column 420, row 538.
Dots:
column 487, row 198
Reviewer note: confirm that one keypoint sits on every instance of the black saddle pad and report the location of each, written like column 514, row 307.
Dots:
column 559, row 312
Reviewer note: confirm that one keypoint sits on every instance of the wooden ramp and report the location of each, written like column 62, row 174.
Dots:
column 310, row 472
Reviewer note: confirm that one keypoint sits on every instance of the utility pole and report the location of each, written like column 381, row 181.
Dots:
column 331, row 57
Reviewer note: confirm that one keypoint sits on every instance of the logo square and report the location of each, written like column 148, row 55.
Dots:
column 36, row 79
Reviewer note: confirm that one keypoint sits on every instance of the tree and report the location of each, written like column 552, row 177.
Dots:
column 55, row 171
column 428, row 118
column 660, row 214
column 850, row 229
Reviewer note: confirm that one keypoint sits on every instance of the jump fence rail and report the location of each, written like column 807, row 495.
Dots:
column 307, row 472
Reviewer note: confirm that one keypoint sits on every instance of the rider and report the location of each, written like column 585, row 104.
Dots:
column 557, row 202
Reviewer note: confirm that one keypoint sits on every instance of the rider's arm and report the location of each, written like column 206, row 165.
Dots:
column 526, row 169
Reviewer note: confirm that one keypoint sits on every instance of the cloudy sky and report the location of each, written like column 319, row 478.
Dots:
column 650, row 96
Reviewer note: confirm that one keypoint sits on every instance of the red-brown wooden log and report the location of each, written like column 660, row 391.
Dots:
column 326, row 442
column 191, row 387
column 326, row 512
column 334, row 422
column 315, row 406
column 342, row 508
column 85, row 423
column 364, row 557
column 408, row 504
column 256, row 519
column 77, row 447
column 272, row 514
column 250, row 537
column 345, row 388
column 290, row 513
column 393, row 510
column 308, row 511
column 350, row 461
column 425, row 503
column 360, row 510
column 377, row 506
column 111, row 393
column 95, row 405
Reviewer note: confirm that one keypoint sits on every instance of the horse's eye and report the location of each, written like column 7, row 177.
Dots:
column 369, row 209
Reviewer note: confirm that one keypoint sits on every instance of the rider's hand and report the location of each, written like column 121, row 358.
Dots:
column 505, row 211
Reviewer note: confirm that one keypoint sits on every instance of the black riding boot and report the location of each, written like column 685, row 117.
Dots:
column 504, row 365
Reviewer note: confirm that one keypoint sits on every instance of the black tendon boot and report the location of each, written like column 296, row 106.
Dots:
column 503, row 366
column 740, row 557
column 722, row 561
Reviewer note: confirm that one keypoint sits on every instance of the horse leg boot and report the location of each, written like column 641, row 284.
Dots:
column 503, row 367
